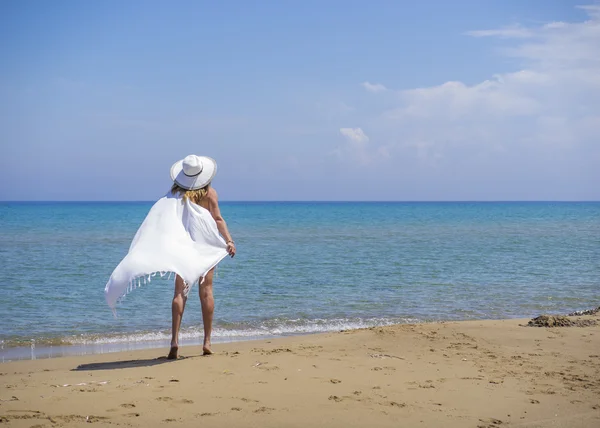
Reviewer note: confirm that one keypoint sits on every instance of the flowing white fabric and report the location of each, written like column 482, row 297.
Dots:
column 176, row 236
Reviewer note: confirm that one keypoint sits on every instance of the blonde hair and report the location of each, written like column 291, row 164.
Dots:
column 193, row 195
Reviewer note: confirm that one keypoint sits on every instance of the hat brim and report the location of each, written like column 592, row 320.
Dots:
column 209, row 170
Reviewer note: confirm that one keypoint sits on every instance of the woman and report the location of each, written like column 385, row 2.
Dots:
column 183, row 233
column 206, row 197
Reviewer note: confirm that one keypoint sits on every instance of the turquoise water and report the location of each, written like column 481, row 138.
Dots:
column 301, row 268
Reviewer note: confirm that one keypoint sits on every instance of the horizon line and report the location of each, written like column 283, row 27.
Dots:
column 310, row 201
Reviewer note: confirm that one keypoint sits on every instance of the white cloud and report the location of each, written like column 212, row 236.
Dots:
column 358, row 148
column 455, row 100
column 515, row 31
column 592, row 10
column 556, row 91
column 374, row 87
column 539, row 123
column 354, row 135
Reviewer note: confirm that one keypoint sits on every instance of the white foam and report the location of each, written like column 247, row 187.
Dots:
column 100, row 344
column 269, row 328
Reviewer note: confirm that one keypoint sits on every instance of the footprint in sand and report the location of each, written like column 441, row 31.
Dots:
column 264, row 410
column 132, row 415
column 186, row 401
column 268, row 368
column 335, row 381
column 128, row 405
column 164, row 399
column 335, row 398
column 427, row 384
column 490, row 423
column 271, row 351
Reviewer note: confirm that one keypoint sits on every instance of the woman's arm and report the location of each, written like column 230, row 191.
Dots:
column 213, row 207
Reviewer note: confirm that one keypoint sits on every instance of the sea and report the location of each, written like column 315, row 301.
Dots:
column 301, row 268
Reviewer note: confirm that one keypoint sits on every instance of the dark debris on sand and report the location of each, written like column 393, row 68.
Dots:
column 559, row 321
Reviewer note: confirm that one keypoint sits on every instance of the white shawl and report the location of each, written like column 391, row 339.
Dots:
column 176, row 236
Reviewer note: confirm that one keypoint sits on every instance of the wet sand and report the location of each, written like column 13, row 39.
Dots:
column 453, row 374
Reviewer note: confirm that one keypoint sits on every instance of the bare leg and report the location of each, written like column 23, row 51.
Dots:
column 207, row 302
column 177, row 308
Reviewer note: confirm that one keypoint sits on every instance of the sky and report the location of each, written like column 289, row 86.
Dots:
column 428, row 100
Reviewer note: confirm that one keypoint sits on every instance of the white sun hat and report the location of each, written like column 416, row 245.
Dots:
column 193, row 172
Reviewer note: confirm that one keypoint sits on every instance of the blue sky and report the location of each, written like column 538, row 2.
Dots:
column 311, row 100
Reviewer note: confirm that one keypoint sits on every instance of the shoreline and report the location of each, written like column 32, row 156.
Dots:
column 35, row 351
column 483, row 373
column 22, row 353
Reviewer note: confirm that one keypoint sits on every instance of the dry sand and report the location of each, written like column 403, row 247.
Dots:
column 452, row 374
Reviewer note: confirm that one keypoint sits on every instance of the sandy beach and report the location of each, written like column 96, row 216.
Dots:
column 450, row 374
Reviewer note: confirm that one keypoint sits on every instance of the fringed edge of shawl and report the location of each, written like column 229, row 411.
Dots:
column 137, row 282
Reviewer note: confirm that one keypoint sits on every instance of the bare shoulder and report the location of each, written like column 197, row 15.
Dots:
column 212, row 194
column 213, row 203
column 213, row 200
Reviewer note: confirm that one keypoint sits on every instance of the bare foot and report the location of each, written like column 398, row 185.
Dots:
column 173, row 353
column 206, row 349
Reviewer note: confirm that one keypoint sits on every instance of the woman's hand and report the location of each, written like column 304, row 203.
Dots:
column 231, row 248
